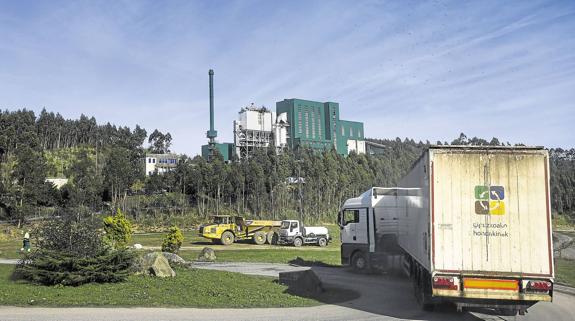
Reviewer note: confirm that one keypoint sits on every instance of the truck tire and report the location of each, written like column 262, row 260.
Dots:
column 227, row 238
column 359, row 263
column 322, row 242
column 272, row 238
column 260, row 237
column 297, row 242
column 422, row 289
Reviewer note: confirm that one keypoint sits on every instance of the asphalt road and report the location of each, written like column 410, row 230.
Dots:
column 382, row 298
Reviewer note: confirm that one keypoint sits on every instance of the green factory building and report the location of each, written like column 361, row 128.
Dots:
column 317, row 125
column 227, row 151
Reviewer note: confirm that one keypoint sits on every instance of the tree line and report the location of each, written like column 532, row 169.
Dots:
column 105, row 168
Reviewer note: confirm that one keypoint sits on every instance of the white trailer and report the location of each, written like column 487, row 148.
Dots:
column 292, row 232
column 474, row 227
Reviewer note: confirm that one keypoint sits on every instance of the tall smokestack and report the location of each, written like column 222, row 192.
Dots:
column 212, row 133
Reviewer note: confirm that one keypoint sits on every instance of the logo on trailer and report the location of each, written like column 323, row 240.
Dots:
column 489, row 200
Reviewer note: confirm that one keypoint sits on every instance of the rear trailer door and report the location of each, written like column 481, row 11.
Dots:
column 490, row 213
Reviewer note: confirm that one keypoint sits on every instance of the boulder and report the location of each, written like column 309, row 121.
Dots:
column 157, row 265
column 207, row 255
column 173, row 258
column 137, row 246
column 304, row 283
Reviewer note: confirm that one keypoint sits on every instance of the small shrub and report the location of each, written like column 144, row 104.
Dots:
column 52, row 267
column 173, row 240
column 118, row 230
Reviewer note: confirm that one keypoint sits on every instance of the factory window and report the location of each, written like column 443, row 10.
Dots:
column 313, row 125
column 351, row 132
column 153, row 160
column 299, row 121
column 319, row 125
column 306, row 125
column 342, row 131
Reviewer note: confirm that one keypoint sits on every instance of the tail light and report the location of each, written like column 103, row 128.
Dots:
column 442, row 282
column 538, row 286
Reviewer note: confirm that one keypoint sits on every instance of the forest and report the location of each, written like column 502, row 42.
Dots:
column 105, row 170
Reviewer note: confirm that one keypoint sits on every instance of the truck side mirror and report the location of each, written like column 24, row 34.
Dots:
column 339, row 220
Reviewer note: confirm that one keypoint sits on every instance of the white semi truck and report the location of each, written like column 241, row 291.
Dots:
column 473, row 225
column 292, row 232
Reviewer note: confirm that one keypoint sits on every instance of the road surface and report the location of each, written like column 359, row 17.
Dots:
column 381, row 298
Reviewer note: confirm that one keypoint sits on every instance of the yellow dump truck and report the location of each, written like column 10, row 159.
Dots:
column 225, row 229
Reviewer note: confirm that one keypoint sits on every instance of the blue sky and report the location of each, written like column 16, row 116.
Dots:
column 418, row 69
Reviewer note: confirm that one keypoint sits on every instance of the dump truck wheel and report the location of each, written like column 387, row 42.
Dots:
column 227, row 238
column 272, row 238
column 260, row 237
column 297, row 242
column 322, row 242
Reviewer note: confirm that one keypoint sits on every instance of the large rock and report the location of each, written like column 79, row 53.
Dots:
column 207, row 255
column 173, row 258
column 156, row 264
column 304, row 283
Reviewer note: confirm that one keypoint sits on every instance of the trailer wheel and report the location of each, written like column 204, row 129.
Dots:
column 297, row 242
column 272, row 238
column 322, row 242
column 259, row 237
column 359, row 263
column 227, row 238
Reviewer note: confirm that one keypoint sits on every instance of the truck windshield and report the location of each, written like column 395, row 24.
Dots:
column 285, row 225
column 220, row 220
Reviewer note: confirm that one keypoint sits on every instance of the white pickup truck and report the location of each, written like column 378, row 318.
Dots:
column 292, row 232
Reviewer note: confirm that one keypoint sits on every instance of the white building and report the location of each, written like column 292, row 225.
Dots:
column 160, row 162
column 259, row 127
column 355, row 145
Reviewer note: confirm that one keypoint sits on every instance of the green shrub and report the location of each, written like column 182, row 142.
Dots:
column 70, row 251
column 173, row 240
column 53, row 267
column 118, row 230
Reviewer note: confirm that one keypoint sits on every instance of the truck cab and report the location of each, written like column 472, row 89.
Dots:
column 368, row 229
column 292, row 232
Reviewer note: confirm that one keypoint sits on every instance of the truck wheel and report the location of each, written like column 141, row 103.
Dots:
column 260, row 237
column 359, row 263
column 272, row 238
column 297, row 242
column 322, row 242
column 510, row 312
column 227, row 238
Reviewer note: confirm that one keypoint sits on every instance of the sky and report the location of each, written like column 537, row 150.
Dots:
column 426, row 70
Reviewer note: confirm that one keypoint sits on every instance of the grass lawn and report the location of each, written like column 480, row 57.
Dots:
column 279, row 255
column 10, row 249
column 565, row 271
column 246, row 252
column 190, row 288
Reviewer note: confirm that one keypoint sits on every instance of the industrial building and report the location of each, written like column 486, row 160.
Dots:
column 317, row 125
column 295, row 123
column 259, row 127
